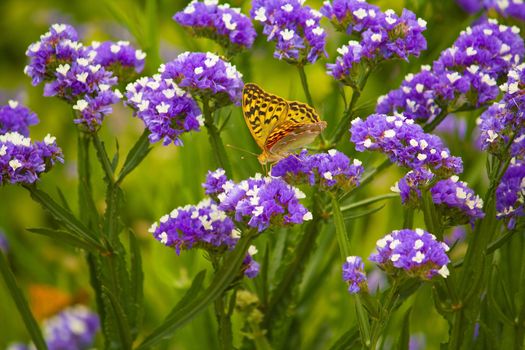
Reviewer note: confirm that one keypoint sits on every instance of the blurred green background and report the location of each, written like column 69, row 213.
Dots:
column 171, row 176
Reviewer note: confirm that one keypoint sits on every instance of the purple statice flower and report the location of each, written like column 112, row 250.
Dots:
column 471, row 6
column 4, row 246
column 382, row 36
column 166, row 110
column 16, row 118
column 512, row 8
column 324, row 169
column 465, row 75
column 409, row 186
column 354, row 275
column 120, row 58
column 204, row 225
column 405, row 143
column 251, row 267
column 510, row 194
column 205, row 76
column 23, row 161
column 227, row 26
column 58, row 46
column 215, row 180
column 73, row 328
column 415, row 253
column 263, row 201
column 457, row 202
column 295, row 28
column 505, row 119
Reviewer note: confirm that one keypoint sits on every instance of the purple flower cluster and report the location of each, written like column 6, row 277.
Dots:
column 166, row 110
column 227, row 26
column 353, row 274
column 23, row 161
column 215, row 180
column 383, row 35
column 295, row 28
column 16, row 118
column 465, row 75
column 405, row 143
column 71, row 73
column 263, row 201
column 510, row 194
column 505, row 119
column 457, row 202
column 205, row 76
column 324, row 169
column 202, row 226
column 73, row 328
column 120, row 58
column 414, row 252
column 512, row 8
column 409, row 186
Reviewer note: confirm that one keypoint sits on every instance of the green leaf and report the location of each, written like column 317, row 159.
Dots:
column 363, row 322
column 137, row 284
column 194, row 290
column 21, row 304
column 348, row 340
column 86, row 204
column 340, row 229
column 69, row 238
column 64, row 216
column 194, row 304
column 138, row 152
column 404, row 338
column 121, row 319
column 63, row 199
column 363, row 213
column 103, row 158
column 116, row 157
column 368, row 201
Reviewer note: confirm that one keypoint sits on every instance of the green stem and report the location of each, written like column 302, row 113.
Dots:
column 86, row 204
column 378, row 324
column 224, row 324
column 408, row 220
column 304, row 83
column 215, row 138
column 103, row 158
column 21, row 304
column 340, row 229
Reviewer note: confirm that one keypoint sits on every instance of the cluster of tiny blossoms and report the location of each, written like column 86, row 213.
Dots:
column 205, row 76
column 353, row 274
column 405, row 143
column 464, row 75
column 415, row 253
column 227, row 26
column 73, row 328
column 166, row 110
column 23, row 161
column 71, row 73
column 16, row 118
column 382, row 35
column 120, row 58
column 328, row 170
column 512, row 8
column 294, row 27
column 505, row 120
column 510, row 194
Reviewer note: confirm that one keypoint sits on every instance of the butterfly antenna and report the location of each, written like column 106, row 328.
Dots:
column 242, row 150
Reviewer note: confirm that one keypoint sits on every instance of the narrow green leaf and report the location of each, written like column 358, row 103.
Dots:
column 196, row 304
column 404, row 338
column 137, row 284
column 103, row 158
column 138, row 152
column 69, row 238
column 340, row 229
column 21, row 304
column 63, row 199
column 86, row 204
column 363, row 213
column 363, row 322
column 348, row 340
column 116, row 157
column 122, row 322
column 112, row 226
column 194, row 290
column 368, row 201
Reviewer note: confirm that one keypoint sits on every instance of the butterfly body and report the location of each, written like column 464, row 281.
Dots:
column 278, row 126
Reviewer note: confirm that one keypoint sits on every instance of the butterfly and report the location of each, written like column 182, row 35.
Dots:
column 277, row 125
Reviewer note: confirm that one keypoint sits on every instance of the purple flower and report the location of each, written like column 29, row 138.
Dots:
column 471, row 6
column 215, row 180
column 512, row 8
column 203, row 226
column 205, row 76
column 457, row 202
column 295, row 28
column 260, row 202
column 353, row 274
column 409, row 186
column 166, row 110
column 505, row 119
column 119, row 57
column 22, row 161
column 453, row 126
column 416, row 253
column 73, row 328
column 324, row 169
column 251, row 267
column 4, row 246
column 405, row 143
column 227, row 26
column 457, row 234
column 16, row 118
column 465, row 75
column 510, row 194
column 382, row 36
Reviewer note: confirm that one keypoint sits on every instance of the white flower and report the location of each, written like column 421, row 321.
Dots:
column 13, row 104
column 318, row 31
column 198, row 70
column 49, row 140
column 162, row 107
column 260, row 14
column 227, row 19
column 82, row 77
column 418, row 258
column 443, row 271
column 287, row 34
column 307, row 217
column 389, row 133
column 140, row 55
column 80, row 105
column 63, row 69
column 163, row 238
column 287, row 8
column 114, row 48
column 15, row 164
column 360, row 13
column 58, row 28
